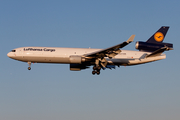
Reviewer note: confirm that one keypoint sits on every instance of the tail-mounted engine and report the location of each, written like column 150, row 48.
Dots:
column 144, row 46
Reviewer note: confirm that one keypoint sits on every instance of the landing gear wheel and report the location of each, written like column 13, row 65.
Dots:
column 94, row 68
column 98, row 68
column 29, row 68
column 93, row 72
column 98, row 72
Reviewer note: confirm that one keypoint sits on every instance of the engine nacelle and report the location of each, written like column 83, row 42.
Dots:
column 76, row 59
column 77, row 67
column 144, row 46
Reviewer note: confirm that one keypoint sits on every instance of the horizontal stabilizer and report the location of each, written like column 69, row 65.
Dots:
column 158, row 52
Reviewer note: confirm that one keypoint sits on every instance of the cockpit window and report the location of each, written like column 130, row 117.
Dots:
column 13, row 50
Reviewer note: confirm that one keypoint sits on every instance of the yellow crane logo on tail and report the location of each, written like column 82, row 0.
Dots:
column 159, row 37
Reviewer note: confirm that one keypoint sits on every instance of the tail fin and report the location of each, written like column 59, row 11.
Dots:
column 158, row 36
column 155, row 42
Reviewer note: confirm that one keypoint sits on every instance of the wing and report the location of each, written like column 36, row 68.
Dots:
column 109, row 52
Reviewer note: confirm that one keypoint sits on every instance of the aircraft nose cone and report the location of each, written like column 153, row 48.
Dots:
column 9, row 54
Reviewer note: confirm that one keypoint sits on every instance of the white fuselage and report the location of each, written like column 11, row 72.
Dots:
column 61, row 55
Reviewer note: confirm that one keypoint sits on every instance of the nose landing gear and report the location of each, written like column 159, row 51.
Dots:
column 29, row 63
column 29, row 68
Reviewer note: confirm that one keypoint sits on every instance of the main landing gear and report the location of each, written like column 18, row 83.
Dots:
column 96, row 70
column 29, row 63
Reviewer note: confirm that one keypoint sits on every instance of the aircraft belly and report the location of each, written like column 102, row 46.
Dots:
column 146, row 60
column 134, row 61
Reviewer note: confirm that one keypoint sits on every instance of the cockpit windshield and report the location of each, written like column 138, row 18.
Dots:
column 13, row 50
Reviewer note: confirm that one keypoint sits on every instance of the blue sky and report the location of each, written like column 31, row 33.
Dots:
column 52, row 91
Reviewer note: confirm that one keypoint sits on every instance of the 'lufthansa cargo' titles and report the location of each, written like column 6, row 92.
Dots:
column 39, row 49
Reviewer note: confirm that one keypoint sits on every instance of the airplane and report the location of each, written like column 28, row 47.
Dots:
column 83, row 58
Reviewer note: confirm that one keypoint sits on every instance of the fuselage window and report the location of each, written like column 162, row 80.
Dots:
column 13, row 50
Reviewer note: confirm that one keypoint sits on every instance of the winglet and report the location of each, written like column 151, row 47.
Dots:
column 130, row 39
